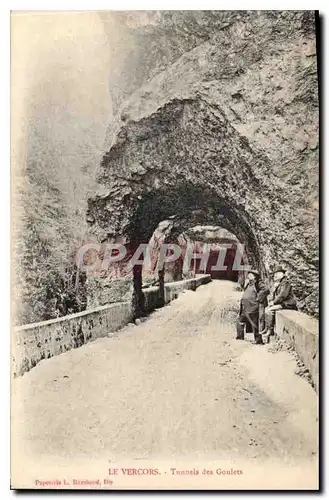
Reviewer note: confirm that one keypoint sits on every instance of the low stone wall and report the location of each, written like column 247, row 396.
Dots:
column 151, row 295
column 302, row 333
column 35, row 342
column 172, row 290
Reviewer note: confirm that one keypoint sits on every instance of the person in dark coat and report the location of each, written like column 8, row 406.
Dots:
column 282, row 298
column 254, row 294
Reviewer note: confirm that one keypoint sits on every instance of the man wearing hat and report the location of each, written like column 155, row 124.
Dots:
column 254, row 294
column 282, row 298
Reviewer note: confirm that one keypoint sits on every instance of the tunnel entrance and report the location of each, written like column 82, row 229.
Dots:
column 203, row 248
column 186, row 164
column 218, row 274
column 225, row 258
column 192, row 218
column 198, row 250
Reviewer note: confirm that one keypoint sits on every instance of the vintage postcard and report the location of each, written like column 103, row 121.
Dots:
column 165, row 229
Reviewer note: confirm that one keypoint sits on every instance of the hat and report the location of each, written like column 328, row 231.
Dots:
column 278, row 269
column 254, row 271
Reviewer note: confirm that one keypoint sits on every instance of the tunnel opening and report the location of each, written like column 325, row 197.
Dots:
column 186, row 207
column 201, row 250
column 227, row 273
column 224, row 261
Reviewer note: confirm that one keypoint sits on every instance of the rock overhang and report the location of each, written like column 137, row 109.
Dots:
column 214, row 127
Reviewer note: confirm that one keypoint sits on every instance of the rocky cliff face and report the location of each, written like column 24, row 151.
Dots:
column 222, row 129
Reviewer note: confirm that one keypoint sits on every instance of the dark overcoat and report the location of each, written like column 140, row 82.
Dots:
column 283, row 295
column 255, row 294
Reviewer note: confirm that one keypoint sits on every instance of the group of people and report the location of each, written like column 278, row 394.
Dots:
column 259, row 304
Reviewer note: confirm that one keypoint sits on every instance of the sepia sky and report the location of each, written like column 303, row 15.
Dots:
column 60, row 81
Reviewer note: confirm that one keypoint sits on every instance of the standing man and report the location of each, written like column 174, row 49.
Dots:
column 254, row 295
column 282, row 297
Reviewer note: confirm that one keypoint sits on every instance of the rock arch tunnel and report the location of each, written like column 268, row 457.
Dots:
column 181, row 206
column 197, row 250
column 185, row 162
column 226, row 257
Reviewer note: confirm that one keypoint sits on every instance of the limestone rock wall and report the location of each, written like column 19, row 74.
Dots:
column 222, row 131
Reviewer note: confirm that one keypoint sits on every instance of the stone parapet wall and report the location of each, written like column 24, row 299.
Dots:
column 173, row 289
column 37, row 341
column 302, row 333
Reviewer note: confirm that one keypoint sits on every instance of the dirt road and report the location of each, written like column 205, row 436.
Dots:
column 176, row 385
